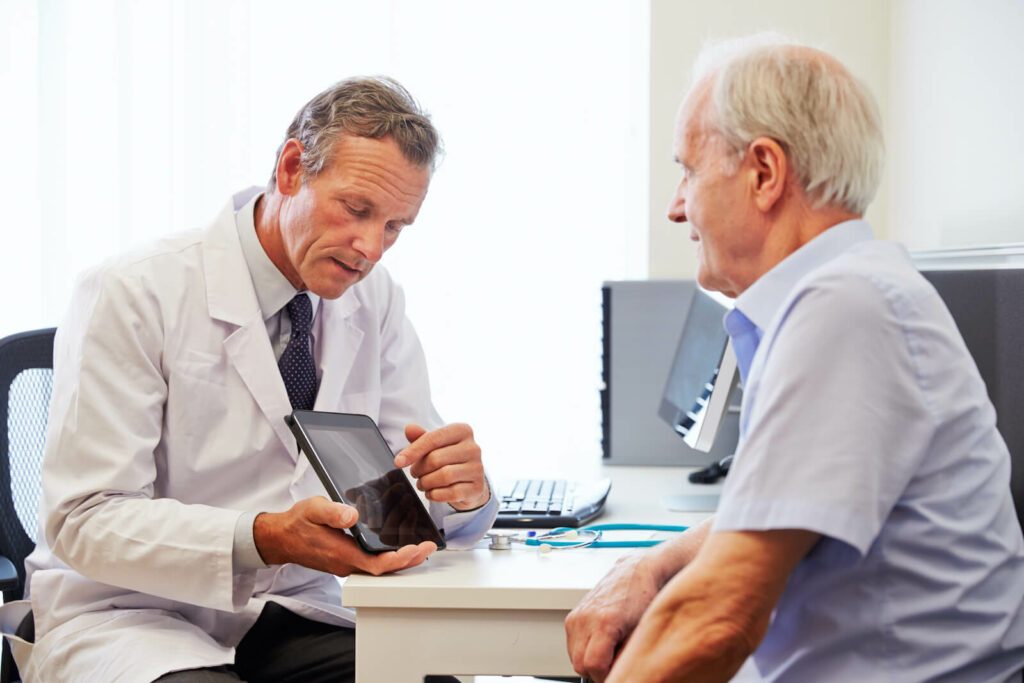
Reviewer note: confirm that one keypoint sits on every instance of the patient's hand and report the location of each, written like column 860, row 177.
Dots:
column 606, row 617
column 311, row 533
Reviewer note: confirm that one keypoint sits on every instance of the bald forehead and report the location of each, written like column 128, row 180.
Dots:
column 692, row 121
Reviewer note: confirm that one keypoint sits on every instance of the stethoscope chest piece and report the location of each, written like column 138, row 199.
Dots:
column 500, row 541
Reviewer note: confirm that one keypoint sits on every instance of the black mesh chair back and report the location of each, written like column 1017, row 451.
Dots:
column 26, row 381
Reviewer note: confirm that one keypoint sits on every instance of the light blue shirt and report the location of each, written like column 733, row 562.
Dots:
column 865, row 420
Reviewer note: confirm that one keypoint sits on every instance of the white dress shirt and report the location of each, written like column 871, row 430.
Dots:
column 865, row 420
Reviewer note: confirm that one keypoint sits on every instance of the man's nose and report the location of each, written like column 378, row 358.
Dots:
column 677, row 209
column 369, row 242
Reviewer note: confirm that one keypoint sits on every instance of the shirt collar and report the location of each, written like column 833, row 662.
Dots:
column 273, row 291
column 762, row 300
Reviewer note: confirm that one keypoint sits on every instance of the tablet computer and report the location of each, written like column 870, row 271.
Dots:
column 357, row 468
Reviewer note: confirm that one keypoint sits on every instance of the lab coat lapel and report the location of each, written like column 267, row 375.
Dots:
column 232, row 299
column 338, row 348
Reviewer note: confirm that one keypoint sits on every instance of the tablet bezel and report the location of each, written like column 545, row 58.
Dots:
column 298, row 422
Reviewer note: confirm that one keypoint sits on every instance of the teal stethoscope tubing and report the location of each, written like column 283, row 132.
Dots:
column 595, row 532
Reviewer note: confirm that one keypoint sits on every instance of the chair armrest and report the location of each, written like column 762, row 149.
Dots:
column 8, row 575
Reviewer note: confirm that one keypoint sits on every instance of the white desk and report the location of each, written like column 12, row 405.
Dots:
column 496, row 612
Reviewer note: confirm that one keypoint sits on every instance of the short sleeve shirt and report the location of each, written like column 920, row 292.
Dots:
column 865, row 420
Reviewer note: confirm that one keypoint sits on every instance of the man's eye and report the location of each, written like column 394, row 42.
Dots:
column 358, row 213
column 394, row 228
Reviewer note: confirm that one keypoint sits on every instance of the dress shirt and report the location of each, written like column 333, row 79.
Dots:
column 865, row 420
column 273, row 292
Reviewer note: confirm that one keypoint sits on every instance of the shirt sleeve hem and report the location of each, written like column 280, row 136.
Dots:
column 848, row 527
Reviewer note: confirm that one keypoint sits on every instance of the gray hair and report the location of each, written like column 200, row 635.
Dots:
column 825, row 119
column 370, row 107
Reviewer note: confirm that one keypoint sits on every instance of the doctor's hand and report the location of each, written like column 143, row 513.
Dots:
column 387, row 506
column 446, row 464
column 599, row 626
column 311, row 533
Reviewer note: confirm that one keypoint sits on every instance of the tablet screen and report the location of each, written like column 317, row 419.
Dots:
column 359, row 466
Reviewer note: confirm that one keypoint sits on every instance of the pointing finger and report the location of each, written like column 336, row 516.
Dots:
column 431, row 441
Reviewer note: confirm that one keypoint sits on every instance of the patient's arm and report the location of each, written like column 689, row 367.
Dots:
column 709, row 618
column 606, row 617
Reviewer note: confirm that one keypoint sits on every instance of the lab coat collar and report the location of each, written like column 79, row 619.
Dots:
column 231, row 299
column 229, row 292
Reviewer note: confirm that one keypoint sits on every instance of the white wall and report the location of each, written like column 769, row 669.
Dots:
column 956, row 147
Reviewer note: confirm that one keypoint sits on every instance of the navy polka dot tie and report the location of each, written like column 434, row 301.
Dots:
column 297, row 368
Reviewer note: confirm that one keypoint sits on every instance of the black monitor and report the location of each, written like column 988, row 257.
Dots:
column 703, row 374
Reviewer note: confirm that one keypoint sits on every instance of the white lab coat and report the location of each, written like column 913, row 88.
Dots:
column 166, row 424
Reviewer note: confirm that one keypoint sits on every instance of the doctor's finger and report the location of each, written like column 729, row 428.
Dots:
column 455, row 454
column 414, row 431
column 456, row 493
column 431, row 441
column 319, row 510
column 403, row 558
column 468, row 472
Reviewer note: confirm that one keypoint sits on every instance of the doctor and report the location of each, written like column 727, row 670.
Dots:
column 182, row 536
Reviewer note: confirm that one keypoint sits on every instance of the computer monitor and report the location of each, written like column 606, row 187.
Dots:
column 703, row 374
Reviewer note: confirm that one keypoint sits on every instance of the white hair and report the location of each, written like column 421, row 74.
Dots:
column 825, row 119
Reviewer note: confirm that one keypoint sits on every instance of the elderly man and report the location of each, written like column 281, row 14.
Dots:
column 182, row 535
column 866, row 531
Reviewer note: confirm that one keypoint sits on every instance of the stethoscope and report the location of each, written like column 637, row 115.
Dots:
column 566, row 538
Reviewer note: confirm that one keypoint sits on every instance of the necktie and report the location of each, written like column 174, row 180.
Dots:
column 296, row 364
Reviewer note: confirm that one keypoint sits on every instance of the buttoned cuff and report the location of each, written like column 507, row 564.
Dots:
column 244, row 555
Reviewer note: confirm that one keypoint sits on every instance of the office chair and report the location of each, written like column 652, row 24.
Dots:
column 26, row 381
column 986, row 307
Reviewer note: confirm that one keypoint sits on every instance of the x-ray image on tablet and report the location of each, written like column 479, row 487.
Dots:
column 355, row 465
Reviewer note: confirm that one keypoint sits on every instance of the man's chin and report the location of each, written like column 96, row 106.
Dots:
column 708, row 281
column 329, row 289
column 335, row 284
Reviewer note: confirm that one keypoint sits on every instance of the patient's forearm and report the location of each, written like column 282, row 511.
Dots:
column 669, row 558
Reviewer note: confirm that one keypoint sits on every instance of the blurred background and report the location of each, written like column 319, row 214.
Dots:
column 125, row 120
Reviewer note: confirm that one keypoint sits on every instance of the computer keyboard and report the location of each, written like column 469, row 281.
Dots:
column 549, row 503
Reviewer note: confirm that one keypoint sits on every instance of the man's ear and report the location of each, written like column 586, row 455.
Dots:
column 289, row 167
column 770, row 172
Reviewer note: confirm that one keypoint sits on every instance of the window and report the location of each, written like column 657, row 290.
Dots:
column 138, row 119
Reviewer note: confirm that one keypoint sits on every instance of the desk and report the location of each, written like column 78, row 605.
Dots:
column 482, row 611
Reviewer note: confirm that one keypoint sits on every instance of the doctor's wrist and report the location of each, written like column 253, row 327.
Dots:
column 264, row 533
column 473, row 506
